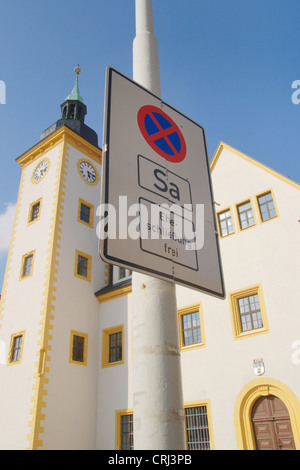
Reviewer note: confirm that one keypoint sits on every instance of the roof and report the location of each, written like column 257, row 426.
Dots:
column 222, row 146
column 75, row 95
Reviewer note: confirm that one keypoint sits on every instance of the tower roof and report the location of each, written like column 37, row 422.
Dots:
column 73, row 108
column 73, row 111
column 75, row 94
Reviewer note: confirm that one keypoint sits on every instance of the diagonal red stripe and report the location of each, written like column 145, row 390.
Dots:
column 162, row 133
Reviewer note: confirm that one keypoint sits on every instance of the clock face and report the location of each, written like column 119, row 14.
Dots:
column 87, row 172
column 40, row 170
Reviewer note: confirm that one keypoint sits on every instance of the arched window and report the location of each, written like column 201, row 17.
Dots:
column 64, row 112
column 71, row 113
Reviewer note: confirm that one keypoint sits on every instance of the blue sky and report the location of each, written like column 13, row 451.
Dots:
column 227, row 64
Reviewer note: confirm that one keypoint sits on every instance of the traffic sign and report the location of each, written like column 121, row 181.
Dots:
column 161, row 133
column 156, row 210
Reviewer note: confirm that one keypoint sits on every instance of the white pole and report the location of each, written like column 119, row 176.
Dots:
column 145, row 48
column 157, row 384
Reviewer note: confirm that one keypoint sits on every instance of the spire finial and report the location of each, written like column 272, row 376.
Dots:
column 75, row 95
column 77, row 70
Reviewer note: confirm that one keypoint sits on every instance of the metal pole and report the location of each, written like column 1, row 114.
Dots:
column 157, row 383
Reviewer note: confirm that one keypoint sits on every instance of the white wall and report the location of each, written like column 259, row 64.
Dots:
column 22, row 303
column 71, row 402
column 266, row 254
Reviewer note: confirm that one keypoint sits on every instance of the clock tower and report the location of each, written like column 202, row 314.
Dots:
column 48, row 310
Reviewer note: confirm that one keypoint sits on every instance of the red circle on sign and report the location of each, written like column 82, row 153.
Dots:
column 161, row 133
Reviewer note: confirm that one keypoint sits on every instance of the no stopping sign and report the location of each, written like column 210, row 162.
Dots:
column 161, row 133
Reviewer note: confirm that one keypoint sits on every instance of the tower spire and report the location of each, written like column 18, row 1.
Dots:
column 75, row 94
column 73, row 107
column 73, row 111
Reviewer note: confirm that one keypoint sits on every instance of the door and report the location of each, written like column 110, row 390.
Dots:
column 272, row 425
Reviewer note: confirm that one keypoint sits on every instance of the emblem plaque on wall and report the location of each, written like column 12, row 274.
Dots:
column 258, row 366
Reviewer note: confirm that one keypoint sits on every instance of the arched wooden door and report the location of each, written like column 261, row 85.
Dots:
column 271, row 424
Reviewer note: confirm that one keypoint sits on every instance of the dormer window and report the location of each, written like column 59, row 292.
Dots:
column 120, row 274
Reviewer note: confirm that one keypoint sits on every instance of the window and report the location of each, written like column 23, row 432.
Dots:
column 85, row 213
column 34, row 211
column 27, row 265
column 266, row 205
column 118, row 283
column 113, row 346
column 197, row 427
column 191, row 328
column 127, row 432
column 120, row 274
column 78, row 348
column 248, row 312
column 245, row 215
column 124, row 430
column 225, row 223
column 16, row 348
column 83, row 265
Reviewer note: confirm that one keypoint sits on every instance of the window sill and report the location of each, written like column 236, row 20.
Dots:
column 190, row 347
column 247, row 334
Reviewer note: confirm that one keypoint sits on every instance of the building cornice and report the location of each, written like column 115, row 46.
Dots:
column 104, row 295
column 61, row 134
